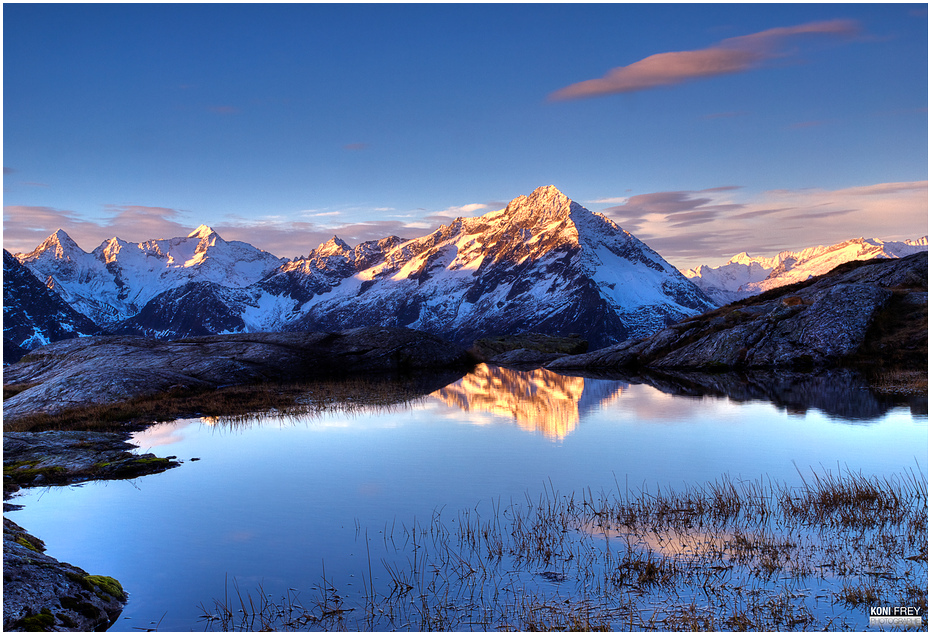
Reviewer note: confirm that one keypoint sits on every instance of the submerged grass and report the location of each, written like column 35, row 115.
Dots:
column 729, row 555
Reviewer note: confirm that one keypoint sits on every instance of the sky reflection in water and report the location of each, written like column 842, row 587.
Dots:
column 271, row 501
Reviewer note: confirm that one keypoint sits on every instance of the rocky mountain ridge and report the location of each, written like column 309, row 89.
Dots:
column 115, row 280
column 543, row 264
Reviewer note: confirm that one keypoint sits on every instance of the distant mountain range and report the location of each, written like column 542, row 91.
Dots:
column 116, row 280
column 744, row 275
column 543, row 264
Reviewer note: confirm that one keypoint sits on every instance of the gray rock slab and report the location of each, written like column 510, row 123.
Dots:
column 101, row 370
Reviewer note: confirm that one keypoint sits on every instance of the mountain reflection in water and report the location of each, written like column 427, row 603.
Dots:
column 553, row 405
column 537, row 400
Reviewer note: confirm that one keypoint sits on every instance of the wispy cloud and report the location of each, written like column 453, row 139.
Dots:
column 24, row 227
column 224, row 110
column 7, row 170
column 611, row 200
column 801, row 125
column 709, row 226
column 459, row 210
column 733, row 55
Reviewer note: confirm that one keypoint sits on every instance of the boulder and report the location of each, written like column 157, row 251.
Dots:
column 42, row 594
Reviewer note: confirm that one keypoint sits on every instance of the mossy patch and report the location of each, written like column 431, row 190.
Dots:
column 102, row 585
column 134, row 466
column 22, row 540
column 110, row 586
column 155, row 460
column 9, row 468
column 38, row 623
column 22, row 472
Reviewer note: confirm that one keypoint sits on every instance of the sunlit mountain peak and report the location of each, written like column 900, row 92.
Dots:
column 203, row 231
column 59, row 245
column 335, row 245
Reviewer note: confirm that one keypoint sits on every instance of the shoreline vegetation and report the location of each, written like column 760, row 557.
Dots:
column 727, row 555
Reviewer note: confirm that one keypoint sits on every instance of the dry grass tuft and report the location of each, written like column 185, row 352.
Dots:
column 732, row 555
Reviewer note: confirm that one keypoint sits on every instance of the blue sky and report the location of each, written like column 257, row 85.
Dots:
column 705, row 130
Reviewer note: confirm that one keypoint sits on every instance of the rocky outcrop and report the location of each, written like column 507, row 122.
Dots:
column 61, row 457
column 819, row 323
column 39, row 592
column 104, row 370
column 42, row 594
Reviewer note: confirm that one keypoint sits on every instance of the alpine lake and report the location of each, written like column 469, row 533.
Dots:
column 521, row 500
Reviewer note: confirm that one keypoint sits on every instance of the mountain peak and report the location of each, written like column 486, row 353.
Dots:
column 203, row 231
column 335, row 245
column 544, row 205
column 61, row 235
column 547, row 190
column 59, row 244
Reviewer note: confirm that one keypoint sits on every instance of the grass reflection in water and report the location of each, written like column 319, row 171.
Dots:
column 730, row 555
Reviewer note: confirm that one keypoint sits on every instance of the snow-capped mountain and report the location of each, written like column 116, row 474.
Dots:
column 33, row 315
column 115, row 281
column 542, row 264
column 744, row 275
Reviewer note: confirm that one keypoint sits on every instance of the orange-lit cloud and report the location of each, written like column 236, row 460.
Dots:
column 26, row 226
column 734, row 55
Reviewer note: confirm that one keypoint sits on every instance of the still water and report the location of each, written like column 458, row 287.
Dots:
column 277, row 502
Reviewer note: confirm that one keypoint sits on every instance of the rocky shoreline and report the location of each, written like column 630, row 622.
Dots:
column 80, row 373
column 41, row 593
column 44, row 594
